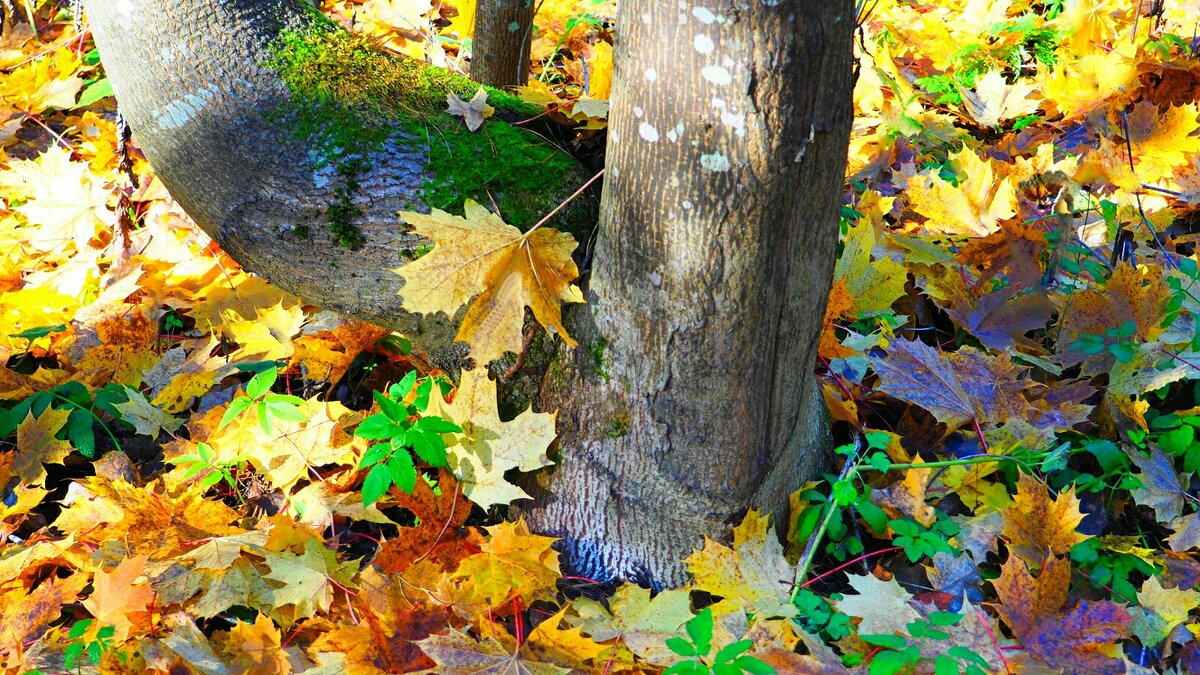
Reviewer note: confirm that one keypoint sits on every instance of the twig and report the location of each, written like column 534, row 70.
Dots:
column 810, row 547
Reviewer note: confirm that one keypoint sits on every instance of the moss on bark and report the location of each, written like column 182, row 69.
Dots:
column 349, row 99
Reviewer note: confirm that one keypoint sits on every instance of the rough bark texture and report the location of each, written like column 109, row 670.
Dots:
column 691, row 396
column 500, row 50
column 217, row 120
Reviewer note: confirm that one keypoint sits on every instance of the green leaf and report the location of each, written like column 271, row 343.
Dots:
column 210, row 479
column 376, row 484
column 394, row 410
column 944, row 618
column 71, row 655
column 79, row 628
column 754, row 666
column 437, row 425
column 944, row 665
column 429, row 447
column 374, row 455
column 379, row 427
column 700, row 629
column 881, row 640
column 732, row 650
column 284, row 410
column 423, row 389
column 94, row 92
column 80, row 432
column 685, row 667
column 260, row 384
column 35, row 333
column 264, row 417
column 680, row 646
column 236, row 407
column 404, row 474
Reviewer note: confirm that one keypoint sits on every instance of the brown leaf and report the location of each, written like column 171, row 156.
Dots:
column 1037, row 526
column 918, row 373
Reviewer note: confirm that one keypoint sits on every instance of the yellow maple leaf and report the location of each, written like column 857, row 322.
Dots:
column 754, row 575
column 873, row 285
column 480, row 256
column 1037, row 526
column 118, row 600
column 268, row 336
column 48, row 82
column 67, row 202
column 37, row 445
column 1162, row 140
column 512, row 563
column 487, row 447
column 974, row 207
column 994, row 100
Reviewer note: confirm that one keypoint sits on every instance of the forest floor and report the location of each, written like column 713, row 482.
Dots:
column 199, row 473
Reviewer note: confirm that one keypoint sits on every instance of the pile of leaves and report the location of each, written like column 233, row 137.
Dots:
column 202, row 474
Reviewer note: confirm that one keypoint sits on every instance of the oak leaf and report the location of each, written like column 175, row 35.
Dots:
column 480, row 256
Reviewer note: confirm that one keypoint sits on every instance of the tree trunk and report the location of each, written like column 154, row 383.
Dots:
column 281, row 135
column 691, row 397
column 500, row 48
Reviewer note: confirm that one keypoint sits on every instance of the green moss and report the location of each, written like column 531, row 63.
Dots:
column 618, row 424
column 349, row 98
column 596, row 349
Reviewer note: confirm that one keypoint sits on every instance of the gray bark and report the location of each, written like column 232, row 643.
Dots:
column 191, row 79
column 691, row 396
column 500, row 49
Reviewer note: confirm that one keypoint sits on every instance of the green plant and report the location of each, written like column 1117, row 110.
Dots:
column 402, row 427
column 94, row 648
column 267, row 406
column 85, row 408
column 204, row 459
column 900, row 653
column 731, row 659
column 1116, row 340
column 919, row 541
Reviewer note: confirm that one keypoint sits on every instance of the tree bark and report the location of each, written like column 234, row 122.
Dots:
column 500, row 48
column 691, row 396
column 199, row 84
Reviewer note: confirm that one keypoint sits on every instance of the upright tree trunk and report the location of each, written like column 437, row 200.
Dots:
column 500, row 48
column 718, row 234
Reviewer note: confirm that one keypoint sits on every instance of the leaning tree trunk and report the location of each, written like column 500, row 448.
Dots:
column 500, row 48
column 719, row 226
column 294, row 144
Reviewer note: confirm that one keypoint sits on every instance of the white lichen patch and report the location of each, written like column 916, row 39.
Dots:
column 704, row 15
column 718, row 75
column 715, row 162
column 638, row 112
column 650, row 74
column 648, row 132
column 703, row 44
